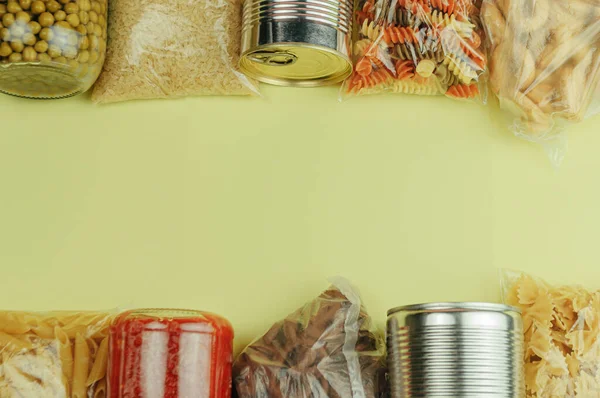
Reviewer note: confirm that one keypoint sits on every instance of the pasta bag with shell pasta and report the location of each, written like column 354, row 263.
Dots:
column 426, row 47
column 544, row 65
column 53, row 354
column 561, row 327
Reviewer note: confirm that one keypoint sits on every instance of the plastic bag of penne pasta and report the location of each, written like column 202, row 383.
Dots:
column 561, row 326
column 427, row 47
column 544, row 63
column 53, row 355
column 328, row 348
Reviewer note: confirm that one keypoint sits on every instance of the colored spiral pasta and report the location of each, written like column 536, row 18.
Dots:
column 406, row 18
column 440, row 20
column 369, row 7
column 371, row 30
column 381, row 63
column 415, row 6
column 366, row 13
column 404, row 69
column 463, row 91
column 445, row 6
column 466, row 49
column 395, row 35
column 364, row 67
column 460, row 68
column 445, row 77
column 412, row 87
column 405, row 51
column 377, row 77
column 428, row 47
column 365, row 47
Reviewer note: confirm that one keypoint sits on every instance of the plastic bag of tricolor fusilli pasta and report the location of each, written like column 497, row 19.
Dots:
column 53, row 355
column 561, row 326
column 427, row 47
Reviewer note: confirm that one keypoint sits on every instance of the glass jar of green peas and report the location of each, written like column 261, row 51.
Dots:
column 51, row 48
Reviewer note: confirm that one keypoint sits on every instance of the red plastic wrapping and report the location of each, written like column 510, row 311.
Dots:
column 170, row 354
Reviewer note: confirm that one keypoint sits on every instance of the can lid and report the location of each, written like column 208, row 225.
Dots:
column 296, row 64
column 454, row 307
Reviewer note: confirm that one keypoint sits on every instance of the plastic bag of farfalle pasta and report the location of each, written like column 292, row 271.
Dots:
column 561, row 324
column 326, row 349
column 53, row 355
column 172, row 48
column 428, row 47
column 544, row 64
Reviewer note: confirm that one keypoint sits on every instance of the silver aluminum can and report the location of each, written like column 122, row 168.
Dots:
column 462, row 350
column 303, row 43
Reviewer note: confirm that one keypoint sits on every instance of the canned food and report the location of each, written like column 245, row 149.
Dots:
column 303, row 43
column 170, row 353
column 466, row 350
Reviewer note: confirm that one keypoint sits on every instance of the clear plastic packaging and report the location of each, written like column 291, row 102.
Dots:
column 51, row 48
column 544, row 63
column 561, row 326
column 172, row 48
column 427, row 47
column 170, row 353
column 326, row 349
column 53, row 355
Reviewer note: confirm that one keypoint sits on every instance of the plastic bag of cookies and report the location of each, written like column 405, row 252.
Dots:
column 426, row 47
column 544, row 62
column 561, row 326
column 326, row 349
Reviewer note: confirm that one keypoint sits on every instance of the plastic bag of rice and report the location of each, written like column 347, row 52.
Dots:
column 172, row 48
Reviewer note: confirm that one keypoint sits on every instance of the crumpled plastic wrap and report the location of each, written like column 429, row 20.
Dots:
column 427, row 47
column 172, row 48
column 53, row 355
column 326, row 349
column 544, row 64
column 561, row 326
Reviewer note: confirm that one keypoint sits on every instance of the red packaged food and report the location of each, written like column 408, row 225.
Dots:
column 170, row 354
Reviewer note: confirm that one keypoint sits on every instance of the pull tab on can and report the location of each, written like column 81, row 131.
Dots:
column 273, row 58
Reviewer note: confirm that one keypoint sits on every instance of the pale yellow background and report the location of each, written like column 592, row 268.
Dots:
column 245, row 206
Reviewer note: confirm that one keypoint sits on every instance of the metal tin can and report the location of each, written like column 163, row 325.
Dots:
column 466, row 350
column 303, row 43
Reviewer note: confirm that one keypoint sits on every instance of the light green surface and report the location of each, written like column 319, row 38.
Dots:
column 245, row 206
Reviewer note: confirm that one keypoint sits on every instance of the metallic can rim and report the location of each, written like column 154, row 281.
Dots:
column 336, row 14
column 281, row 81
column 337, row 7
column 455, row 306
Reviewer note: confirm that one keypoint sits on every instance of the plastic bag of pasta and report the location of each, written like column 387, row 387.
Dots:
column 53, row 355
column 561, row 326
column 428, row 47
column 172, row 48
column 544, row 63
column 326, row 349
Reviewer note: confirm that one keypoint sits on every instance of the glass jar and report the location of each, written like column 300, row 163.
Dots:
column 170, row 353
column 51, row 48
